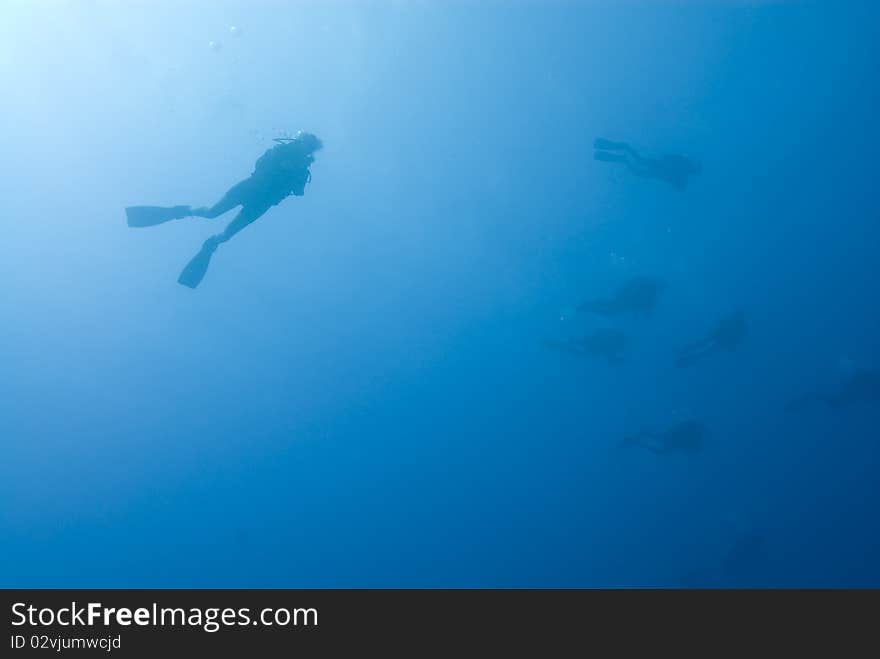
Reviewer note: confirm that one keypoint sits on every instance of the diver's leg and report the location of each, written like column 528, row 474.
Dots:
column 195, row 270
column 610, row 145
column 234, row 197
column 695, row 351
column 246, row 216
column 652, row 441
column 643, row 439
column 625, row 154
column 640, row 166
column 606, row 156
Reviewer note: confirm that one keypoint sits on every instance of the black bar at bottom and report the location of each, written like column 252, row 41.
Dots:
column 202, row 623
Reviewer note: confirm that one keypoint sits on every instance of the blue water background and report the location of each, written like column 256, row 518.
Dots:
column 357, row 395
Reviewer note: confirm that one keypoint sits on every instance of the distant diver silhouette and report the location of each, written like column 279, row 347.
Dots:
column 609, row 344
column 639, row 294
column 280, row 172
column 672, row 169
column 862, row 386
column 726, row 334
column 685, row 437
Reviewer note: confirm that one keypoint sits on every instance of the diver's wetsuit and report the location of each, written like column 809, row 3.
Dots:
column 727, row 334
column 280, row 172
column 673, row 169
column 687, row 436
column 635, row 295
column 862, row 386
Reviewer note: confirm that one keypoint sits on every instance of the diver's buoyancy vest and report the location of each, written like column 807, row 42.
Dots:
column 282, row 157
column 282, row 169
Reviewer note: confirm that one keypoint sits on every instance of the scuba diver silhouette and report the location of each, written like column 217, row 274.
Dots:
column 862, row 386
column 672, row 169
column 686, row 437
column 639, row 294
column 280, row 172
column 726, row 334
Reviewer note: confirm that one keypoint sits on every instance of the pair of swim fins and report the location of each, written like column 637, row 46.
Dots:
column 150, row 216
column 604, row 147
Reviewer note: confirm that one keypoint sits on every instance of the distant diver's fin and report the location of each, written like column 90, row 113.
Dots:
column 148, row 216
column 695, row 352
column 610, row 145
column 604, row 156
column 195, row 270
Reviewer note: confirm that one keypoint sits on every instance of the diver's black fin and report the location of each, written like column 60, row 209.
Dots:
column 148, row 216
column 634, row 440
column 604, row 156
column 694, row 352
column 195, row 270
column 602, row 143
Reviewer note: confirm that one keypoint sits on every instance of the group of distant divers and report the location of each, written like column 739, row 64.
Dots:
column 284, row 170
column 639, row 295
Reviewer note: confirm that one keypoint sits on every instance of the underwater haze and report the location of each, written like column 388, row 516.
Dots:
column 476, row 352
